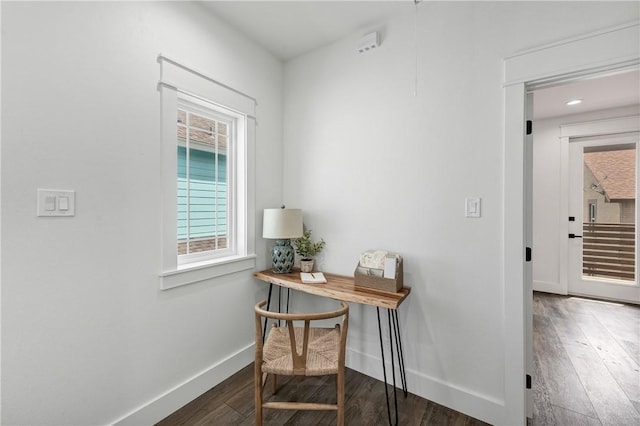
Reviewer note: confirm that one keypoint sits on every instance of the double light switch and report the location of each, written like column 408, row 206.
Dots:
column 55, row 202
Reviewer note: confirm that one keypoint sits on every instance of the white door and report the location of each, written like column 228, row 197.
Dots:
column 603, row 185
column 528, row 242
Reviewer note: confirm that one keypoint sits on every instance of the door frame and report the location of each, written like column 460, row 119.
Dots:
column 604, row 51
column 596, row 128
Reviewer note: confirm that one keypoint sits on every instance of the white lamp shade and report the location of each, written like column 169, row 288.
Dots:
column 282, row 223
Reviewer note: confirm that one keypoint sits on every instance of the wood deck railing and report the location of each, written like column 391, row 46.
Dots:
column 609, row 250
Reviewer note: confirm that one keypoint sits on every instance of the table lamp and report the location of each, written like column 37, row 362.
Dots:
column 282, row 225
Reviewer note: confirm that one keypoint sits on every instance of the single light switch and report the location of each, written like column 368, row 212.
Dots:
column 472, row 207
column 49, row 203
column 63, row 203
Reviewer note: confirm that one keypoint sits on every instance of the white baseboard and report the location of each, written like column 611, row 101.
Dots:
column 165, row 404
column 549, row 287
column 481, row 407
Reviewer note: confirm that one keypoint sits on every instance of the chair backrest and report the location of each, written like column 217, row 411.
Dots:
column 299, row 359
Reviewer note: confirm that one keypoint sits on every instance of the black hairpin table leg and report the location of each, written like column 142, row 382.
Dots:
column 384, row 369
column 288, row 297
column 403, row 373
column 393, row 365
column 394, row 334
column 279, row 301
column 384, row 366
column 264, row 331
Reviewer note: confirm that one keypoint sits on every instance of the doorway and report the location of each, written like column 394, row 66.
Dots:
column 590, row 224
column 562, row 134
column 612, row 49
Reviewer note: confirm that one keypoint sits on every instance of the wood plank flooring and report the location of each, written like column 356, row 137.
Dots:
column 586, row 372
column 586, row 362
column 231, row 403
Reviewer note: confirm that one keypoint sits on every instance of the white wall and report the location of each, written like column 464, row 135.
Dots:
column 547, row 215
column 87, row 336
column 374, row 166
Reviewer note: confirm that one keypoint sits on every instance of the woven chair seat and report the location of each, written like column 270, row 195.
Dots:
column 300, row 351
column 322, row 352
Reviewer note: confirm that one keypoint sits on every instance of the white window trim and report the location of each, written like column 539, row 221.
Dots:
column 203, row 271
column 236, row 188
column 176, row 79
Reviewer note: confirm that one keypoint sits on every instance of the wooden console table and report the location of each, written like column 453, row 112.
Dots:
column 341, row 287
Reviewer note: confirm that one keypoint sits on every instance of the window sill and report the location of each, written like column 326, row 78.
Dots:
column 201, row 271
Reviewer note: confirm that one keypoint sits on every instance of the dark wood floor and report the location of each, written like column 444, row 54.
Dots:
column 586, row 362
column 586, row 372
column 231, row 403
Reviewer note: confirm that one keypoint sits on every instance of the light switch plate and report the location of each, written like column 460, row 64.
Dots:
column 472, row 206
column 56, row 202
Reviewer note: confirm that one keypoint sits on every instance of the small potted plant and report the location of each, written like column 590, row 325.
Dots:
column 307, row 249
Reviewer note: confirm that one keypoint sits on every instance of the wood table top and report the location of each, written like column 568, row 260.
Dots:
column 337, row 287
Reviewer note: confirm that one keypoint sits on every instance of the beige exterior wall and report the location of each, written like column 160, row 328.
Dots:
column 606, row 212
column 628, row 211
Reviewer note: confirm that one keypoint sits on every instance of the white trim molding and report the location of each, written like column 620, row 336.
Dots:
column 601, row 51
column 609, row 126
column 614, row 127
column 607, row 50
column 469, row 402
column 155, row 410
column 180, row 83
column 549, row 287
column 205, row 271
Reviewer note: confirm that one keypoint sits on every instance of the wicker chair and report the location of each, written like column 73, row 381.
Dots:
column 318, row 351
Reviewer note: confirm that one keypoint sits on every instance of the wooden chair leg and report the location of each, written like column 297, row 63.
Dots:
column 258, row 394
column 274, row 384
column 340, row 397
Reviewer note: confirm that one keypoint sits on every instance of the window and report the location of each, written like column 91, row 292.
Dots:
column 593, row 206
column 208, row 132
column 205, row 140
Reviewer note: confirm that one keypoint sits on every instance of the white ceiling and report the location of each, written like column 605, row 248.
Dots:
column 617, row 90
column 290, row 28
column 294, row 27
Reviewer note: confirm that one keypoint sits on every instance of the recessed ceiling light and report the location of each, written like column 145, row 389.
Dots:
column 574, row 102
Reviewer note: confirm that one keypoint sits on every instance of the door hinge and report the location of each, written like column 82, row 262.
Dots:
column 529, row 127
column 527, row 254
column 528, row 381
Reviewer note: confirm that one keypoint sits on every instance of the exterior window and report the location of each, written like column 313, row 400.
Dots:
column 208, row 137
column 205, row 138
column 593, row 205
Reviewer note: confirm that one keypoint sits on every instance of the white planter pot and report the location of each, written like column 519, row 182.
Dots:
column 306, row 265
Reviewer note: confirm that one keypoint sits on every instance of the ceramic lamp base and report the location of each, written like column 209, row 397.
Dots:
column 282, row 257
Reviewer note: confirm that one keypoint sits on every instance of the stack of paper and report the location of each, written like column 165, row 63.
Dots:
column 379, row 263
column 390, row 267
